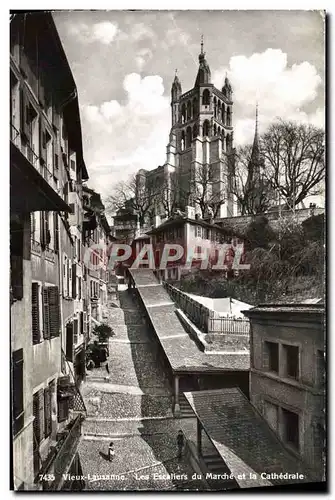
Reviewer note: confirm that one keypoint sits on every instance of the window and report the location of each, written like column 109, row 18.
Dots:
column 205, row 128
column 16, row 259
column 35, row 312
column 291, row 428
column 47, row 411
column 38, row 426
column 18, row 412
column 271, row 357
column 291, row 361
column 205, row 97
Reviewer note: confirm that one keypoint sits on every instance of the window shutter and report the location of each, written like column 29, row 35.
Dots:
column 41, row 93
column 47, row 411
column 35, row 312
column 42, row 230
column 54, row 311
column 16, row 260
column 74, row 281
column 56, row 231
column 69, row 284
column 75, row 331
column 38, row 412
column 46, row 313
column 23, row 114
column 69, row 342
column 47, row 228
column 43, row 149
column 17, row 367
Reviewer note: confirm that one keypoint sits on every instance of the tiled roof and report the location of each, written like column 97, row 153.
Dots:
column 243, row 438
column 286, row 308
column 181, row 351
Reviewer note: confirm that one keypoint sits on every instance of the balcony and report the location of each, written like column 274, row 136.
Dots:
column 61, row 456
column 33, row 187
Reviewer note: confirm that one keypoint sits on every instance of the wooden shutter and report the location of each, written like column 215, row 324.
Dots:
column 69, row 342
column 17, row 367
column 35, row 312
column 16, row 259
column 266, row 356
column 54, row 311
column 24, row 114
column 75, row 331
column 47, row 411
column 38, row 412
column 82, row 326
column 46, row 313
column 56, row 231
column 43, row 145
column 42, row 230
column 74, row 281
column 69, row 274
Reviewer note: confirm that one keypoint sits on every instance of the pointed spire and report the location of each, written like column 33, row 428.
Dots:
column 204, row 73
column 256, row 127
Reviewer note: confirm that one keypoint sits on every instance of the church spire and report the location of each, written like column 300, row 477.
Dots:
column 176, row 90
column 204, row 73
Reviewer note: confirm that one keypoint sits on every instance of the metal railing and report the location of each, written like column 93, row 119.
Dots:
column 32, row 157
column 233, row 326
column 60, row 461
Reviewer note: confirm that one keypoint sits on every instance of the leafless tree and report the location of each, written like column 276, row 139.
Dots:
column 131, row 195
column 294, row 160
column 248, row 182
column 207, row 193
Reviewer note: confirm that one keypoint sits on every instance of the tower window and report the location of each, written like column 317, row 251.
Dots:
column 189, row 110
column 214, row 130
column 205, row 97
column 183, row 140
column 195, row 131
column 205, row 128
column 188, row 137
column 183, row 113
column 228, row 117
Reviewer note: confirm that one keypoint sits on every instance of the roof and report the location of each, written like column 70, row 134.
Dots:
column 225, row 306
column 243, row 438
column 181, row 351
column 180, row 221
column 287, row 308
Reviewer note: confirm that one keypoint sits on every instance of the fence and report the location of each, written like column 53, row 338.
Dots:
column 234, row 326
column 207, row 320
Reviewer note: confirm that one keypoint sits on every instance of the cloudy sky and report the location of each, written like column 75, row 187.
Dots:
column 124, row 64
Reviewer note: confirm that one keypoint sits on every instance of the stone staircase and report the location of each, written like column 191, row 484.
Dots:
column 185, row 408
column 216, row 465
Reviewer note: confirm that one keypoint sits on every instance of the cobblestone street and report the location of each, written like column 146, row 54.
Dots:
column 132, row 409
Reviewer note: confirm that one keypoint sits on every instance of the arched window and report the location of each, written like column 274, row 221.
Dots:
column 205, row 97
column 229, row 117
column 183, row 140
column 183, row 113
column 215, row 108
column 195, row 131
column 228, row 142
column 223, row 116
column 205, row 128
column 214, row 130
column 195, row 107
column 188, row 137
column 189, row 110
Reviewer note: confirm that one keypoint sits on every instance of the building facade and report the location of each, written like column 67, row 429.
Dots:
column 199, row 159
column 287, row 383
column 97, row 238
column 45, row 138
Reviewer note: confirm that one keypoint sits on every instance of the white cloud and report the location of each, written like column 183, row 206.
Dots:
column 280, row 90
column 128, row 136
column 103, row 32
column 142, row 57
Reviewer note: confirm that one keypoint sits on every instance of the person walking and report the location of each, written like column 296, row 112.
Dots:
column 180, row 444
column 111, row 451
column 107, row 368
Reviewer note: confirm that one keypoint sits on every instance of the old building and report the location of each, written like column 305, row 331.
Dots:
column 97, row 238
column 287, row 383
column 45, row 138
column 201, row 242
column 200, row 149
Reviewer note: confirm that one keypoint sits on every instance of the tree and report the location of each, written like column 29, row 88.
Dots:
column 208, row 191
column 251, row 188
column 294, row 160
column 103, row 331
column 132, row 195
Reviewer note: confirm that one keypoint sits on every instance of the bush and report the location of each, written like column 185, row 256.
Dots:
column 103, row 332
